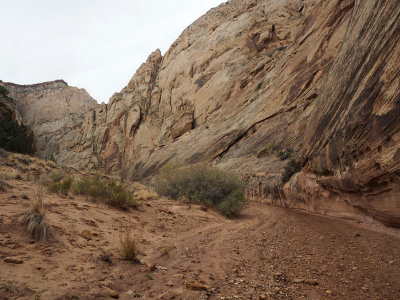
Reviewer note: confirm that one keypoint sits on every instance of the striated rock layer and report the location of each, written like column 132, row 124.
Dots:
column 253, row 86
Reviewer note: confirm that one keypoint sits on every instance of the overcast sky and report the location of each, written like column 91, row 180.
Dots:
column 91, row 44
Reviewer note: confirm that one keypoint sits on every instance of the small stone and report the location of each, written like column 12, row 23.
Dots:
column 262, row 297
column 277, row 289
column 162, row 268
column 25, row 197
column 12, row 260
column 391, row 262
column 235, row 270
column 328, row 292
column 112, row 293
column 130, row 292
column 86, row 234
column 170, row 283
column 298, row 280
column 311, row 281
column 85, row 204
column 365, row 288
column 152, row 267
column 197, row 286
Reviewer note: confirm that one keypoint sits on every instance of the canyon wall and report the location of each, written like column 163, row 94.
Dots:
column 299, row 98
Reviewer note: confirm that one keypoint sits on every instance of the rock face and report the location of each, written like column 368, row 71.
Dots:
column 264, row 88
column 48, row 101
column 50, row 108
column 8, row 107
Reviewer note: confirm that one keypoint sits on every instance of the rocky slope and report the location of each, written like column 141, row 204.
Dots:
column 253, row 85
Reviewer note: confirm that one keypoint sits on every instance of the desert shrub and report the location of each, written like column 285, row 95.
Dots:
column 108, row 191
column 16, row 138
column 284, row 154
column 51, row 158
column 63, row 186
column 128, row 247
column 57, row 176
column 273, row 147
column 4, row 186
column 81, row 187
column 34, row 219
column 210, row 186
column 3, row 91
column 291, row 168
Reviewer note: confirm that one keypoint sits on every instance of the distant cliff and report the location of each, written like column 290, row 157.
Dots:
column 301, row 99
column 48, row 103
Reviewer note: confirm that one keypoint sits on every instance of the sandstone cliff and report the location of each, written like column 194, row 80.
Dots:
column 45, row 107
column 255, row 86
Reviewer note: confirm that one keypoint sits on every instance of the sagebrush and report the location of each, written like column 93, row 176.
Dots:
column 203, row 185
column 105, row 190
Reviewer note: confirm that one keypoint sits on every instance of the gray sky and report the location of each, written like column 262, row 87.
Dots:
column 91, row 44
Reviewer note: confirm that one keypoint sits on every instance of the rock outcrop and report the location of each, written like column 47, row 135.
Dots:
column 266, row 89
column 49, row 109
column 48, row 101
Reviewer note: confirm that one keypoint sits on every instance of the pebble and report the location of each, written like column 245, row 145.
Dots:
column 111, row 293
column 328, row 292
column 262, row 297
column 197, row 286
column 170, row 283
column 311, row 281
column 12, row 260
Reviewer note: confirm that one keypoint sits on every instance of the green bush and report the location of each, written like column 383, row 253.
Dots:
column 210, row 186
column 57, row 176
column 62, row 187
column 290, row 169
column 3, row 91
column 104, row 190
column 81, row 187
column 16, row 138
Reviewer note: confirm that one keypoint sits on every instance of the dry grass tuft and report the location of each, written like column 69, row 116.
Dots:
column 166, row 251
column 34, row 219
column 128, row 247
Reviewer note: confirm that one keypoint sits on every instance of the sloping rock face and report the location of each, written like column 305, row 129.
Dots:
column 352, row 143
column 263, row 88
column 51, row 109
